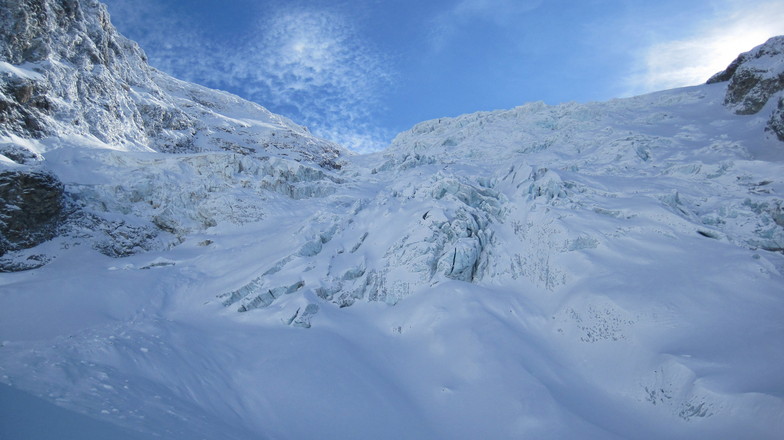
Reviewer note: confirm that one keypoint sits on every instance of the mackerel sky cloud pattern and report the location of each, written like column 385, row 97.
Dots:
column 312, row 65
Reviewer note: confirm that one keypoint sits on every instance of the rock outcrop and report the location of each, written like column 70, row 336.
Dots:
column 754, row 77
column 31, row 207
column 776, row 121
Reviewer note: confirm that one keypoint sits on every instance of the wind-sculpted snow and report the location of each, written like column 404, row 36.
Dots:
column 196, row 267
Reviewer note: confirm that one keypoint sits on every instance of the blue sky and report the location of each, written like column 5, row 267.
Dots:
column 358, row 72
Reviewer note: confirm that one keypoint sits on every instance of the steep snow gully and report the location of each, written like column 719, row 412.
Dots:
column 180, row 264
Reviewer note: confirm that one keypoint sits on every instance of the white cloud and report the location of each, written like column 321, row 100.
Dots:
column 714, row 43
column 172, row 42
column 362, row 139
column 314, row 63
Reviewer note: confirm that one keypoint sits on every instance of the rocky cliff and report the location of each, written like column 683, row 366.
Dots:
column 753, row 79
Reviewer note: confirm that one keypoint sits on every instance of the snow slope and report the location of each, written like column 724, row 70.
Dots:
column 600, row 271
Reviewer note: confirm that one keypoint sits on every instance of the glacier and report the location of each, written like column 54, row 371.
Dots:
column 179, row 263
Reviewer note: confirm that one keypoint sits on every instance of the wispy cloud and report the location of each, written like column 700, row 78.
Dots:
column 310, row 65
column 463, row 13
column 172, row 43
column 314, row 64
column 714, row 43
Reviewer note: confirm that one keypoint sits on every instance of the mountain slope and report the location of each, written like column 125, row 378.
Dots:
column 73, row 89
column 603, row 270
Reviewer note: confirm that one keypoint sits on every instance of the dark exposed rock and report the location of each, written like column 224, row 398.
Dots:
column 776, row 121
column 749, row 91
column 31, row 207
column 24, row 107
column 23, row 93
column 753, row 77
column 727, row 73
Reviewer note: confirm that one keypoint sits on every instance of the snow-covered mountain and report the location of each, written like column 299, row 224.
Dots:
column 180, row 263
column 72, row 87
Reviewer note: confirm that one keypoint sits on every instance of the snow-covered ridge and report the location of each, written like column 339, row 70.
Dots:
column 603, row 270
column 754, row 78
